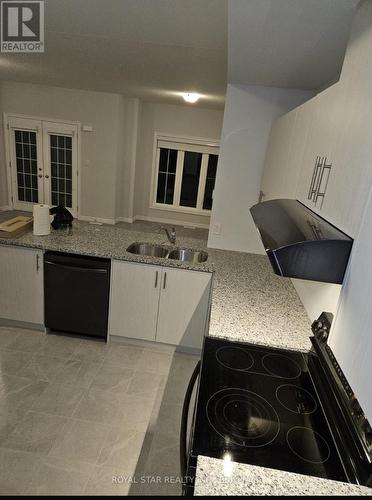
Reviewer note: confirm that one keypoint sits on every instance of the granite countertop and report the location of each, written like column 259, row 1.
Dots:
column 249, row 303
column 216, row 478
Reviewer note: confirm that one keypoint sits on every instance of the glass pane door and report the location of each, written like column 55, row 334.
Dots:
column 61, row 170
column 25, row 155
column 60, row 164
column 26, row 166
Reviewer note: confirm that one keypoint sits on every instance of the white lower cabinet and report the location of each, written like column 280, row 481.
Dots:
column 134, row 301
column 158, row 303
column 22, row 285
column 183, row 308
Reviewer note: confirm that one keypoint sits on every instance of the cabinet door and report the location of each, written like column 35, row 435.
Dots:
column 184, row 307
column 21, row 292
column 277, row 181
column 134, row 300
column 320, row 142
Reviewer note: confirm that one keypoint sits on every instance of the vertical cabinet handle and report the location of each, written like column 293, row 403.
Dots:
column 156, row 279
column 37, row 262
column 165, row 280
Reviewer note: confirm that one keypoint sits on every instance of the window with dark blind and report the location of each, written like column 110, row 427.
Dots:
column 185, row 175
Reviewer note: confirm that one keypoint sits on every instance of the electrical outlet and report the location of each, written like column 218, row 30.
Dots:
column 216, row 228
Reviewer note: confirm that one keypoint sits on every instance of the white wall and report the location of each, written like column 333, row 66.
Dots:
column 187, row 121
column 100, row 159
column 249, row 113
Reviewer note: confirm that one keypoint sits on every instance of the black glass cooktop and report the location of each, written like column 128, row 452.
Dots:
column 259, row 406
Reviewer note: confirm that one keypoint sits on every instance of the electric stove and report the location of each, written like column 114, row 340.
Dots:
column 278, row 409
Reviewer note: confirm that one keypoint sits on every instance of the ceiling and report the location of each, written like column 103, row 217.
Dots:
column 288, row 43
column 155, row 49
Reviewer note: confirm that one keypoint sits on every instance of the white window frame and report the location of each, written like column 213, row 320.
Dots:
column 207, row 147
column 63, row 126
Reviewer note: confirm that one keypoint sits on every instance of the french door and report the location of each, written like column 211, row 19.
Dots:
column 44, row 163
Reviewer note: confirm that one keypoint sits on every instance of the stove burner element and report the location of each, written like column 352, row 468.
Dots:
column 244, row 416
column 308, row 445
column 235, row 358
column 279, row 365
column 296, row 399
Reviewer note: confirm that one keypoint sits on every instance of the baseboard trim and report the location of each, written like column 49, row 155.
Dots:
column 21, row 324
column 5, row 208
column 171, row 221
column 88, row 218
column 125, row 219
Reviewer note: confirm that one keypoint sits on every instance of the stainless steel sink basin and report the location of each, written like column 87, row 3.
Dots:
column 148, row 249
column 187, row 255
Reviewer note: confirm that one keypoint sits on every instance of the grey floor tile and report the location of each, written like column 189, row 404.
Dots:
column 99, row 405
column 145, row 384
column 155, row 361
column 7, row 335
column 28, row 340
column 113, row 377
column 59, row 399
column 169, row 419
column 60, row 477
column 81, row 442
column 36, row 432
column 89, row 350
column 80, row 373
column 41, row 367
column 124, row 355
column 122, row 448
column 17, row 471
column 59, row 346
column 106, row 481
column 20, row 392
column 9, row 418
column 12, row 362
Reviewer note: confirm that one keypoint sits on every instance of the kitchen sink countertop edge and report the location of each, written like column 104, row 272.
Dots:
column 215, row 478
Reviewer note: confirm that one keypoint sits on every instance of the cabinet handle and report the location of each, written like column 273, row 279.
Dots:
column 165, row 280
column 37, row 262
column 156, row 279
column 314, row 178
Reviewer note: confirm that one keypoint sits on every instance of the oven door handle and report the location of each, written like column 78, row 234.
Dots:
column 184, row 419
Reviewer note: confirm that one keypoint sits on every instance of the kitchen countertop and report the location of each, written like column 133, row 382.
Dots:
column 214, row 478
column 249, row 304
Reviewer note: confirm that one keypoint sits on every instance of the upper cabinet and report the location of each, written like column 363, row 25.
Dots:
column 277, row 179
column 320, row 154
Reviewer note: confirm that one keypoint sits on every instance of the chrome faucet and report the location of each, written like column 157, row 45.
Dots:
column 170, row 235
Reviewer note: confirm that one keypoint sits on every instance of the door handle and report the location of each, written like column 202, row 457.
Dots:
column 156, row 279
column 165, row 280
column 37, row 262
column 40, row 175
column 46, row 176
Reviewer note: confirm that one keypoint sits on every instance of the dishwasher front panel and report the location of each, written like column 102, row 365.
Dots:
column 76, row 294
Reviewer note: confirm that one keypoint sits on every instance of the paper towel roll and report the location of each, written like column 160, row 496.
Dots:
column 41, row 220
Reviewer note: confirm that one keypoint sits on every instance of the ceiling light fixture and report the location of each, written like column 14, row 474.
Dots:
column 191, row 97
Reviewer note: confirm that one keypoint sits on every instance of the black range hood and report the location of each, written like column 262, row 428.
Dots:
column 299, row 243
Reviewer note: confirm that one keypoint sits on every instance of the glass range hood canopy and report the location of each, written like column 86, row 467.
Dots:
column 299, row 243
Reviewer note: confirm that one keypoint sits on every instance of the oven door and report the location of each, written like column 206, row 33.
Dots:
column 188, row 469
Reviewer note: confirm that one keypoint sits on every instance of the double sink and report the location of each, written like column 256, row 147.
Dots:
column 181, row 254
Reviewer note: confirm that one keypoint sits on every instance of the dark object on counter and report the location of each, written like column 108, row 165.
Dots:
column 279, row 409
column 299, row 243
column 62, row 217
column 76, row 294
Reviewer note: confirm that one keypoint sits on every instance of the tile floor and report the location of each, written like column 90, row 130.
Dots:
column 75, row 413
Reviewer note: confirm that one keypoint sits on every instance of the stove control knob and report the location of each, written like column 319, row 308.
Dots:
column 356, row 410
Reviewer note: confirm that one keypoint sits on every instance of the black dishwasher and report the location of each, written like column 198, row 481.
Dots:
column 76, row 294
